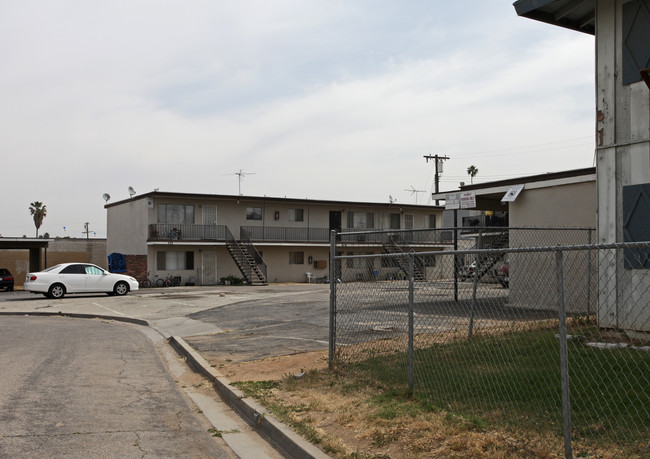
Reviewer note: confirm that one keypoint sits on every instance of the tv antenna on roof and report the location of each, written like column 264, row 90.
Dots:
column 241, row 174
column 415, row 192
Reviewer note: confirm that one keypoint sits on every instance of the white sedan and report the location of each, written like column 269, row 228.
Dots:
column 58, row 280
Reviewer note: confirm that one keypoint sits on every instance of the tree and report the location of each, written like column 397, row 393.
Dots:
column 38, row 211
column 472, row 171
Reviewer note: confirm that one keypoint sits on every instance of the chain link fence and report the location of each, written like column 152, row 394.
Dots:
column 549, row 341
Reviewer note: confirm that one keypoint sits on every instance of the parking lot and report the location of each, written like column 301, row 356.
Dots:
column 245, row 323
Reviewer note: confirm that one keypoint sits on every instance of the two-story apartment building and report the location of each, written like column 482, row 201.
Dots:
column 202, row 238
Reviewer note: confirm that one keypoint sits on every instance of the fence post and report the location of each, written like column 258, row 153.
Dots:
column 333, row 282
column 564, row 357
column 589, row 255
column 471, row 314
column 411, row 259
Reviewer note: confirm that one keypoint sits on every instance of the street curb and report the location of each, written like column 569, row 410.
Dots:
column 287, row 440
column 76, row 315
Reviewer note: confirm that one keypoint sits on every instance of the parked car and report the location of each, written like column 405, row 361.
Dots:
column 58, row 280
column 6, row 280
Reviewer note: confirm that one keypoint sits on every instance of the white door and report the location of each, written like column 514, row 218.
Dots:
column 209, row 222
column 209, row 267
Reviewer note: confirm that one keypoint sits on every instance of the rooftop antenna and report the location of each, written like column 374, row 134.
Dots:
column 241, row 174
column 131, row 191
column 106, row 197
column 415, row 192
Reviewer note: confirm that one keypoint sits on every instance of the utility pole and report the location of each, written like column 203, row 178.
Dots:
column 86, row 230
column 438, row 160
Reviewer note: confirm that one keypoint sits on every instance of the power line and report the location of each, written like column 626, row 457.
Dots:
column 526, row 147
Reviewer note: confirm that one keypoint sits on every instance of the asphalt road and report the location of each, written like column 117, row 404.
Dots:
column 92, row 388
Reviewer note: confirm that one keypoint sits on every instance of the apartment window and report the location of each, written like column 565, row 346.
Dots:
column 175, row 213
column 392, row 221
column 296, row 215
column 175, row 261
column 408, row 221
column 429, row 261
column 431, row 221
column 296, row 258
column 253, row 213
column 361, row 220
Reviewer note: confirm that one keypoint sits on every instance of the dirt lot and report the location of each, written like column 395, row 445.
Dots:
column 343, row 416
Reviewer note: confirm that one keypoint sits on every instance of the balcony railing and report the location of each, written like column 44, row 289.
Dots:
column 186, row 232
column 256, row 234
column 283, row 234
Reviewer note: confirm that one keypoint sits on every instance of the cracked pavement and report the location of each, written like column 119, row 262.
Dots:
column 93, row 388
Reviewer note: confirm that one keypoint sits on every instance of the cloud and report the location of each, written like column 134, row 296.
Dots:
column 333, row 100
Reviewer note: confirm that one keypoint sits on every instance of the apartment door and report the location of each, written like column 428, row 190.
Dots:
column 209, row 267
column 335, row 222
column 209, row 222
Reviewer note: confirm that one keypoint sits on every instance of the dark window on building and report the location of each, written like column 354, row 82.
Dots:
column 296, row 258
column 253, row 213
column 636, row 39
column 296, row 215
column 175, row 261
column 636, row 224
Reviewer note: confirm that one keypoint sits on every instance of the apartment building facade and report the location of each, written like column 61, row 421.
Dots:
column 203, row 239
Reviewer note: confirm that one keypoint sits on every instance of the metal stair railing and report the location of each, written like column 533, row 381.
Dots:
column 238, row 255
column 395, row 243
column 259, row 266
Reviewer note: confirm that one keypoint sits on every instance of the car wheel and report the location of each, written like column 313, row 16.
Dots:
column 56, row 291
column 121, row 288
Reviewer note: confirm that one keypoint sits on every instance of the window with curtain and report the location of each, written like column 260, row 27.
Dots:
column 361, row 220
column 296, row 258
column 296, row 215
column 253, row 213
column 175, row 261
column 175, row 213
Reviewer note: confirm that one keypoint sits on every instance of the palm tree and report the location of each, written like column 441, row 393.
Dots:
column 472, row 171
column 39, row 211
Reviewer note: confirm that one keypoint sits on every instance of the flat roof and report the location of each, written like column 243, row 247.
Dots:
column 577, row 15
column 532, row 181
column 23, row 243
column 200, row 196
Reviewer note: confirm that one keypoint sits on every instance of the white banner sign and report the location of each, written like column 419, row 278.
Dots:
column 468, row 200
column 452, row 201
column 512, row 193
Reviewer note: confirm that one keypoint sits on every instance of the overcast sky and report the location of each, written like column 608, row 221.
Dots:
column 318, row 99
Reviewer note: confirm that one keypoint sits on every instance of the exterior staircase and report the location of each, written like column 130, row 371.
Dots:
column 396, row 244
column 247, row 259
column 487, row 262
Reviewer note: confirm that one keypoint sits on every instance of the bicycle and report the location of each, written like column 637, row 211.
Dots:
column 169, row 281
column 151, row 281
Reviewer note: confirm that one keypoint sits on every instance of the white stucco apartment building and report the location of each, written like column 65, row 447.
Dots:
column 202, row 238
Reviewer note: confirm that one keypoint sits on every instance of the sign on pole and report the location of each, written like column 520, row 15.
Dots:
column 468, row 200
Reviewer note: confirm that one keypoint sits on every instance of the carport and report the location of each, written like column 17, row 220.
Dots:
column 37, row 250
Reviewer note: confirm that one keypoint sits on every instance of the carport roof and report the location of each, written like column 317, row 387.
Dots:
column 23, row 243
column 489, row 194
column 577, row 15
